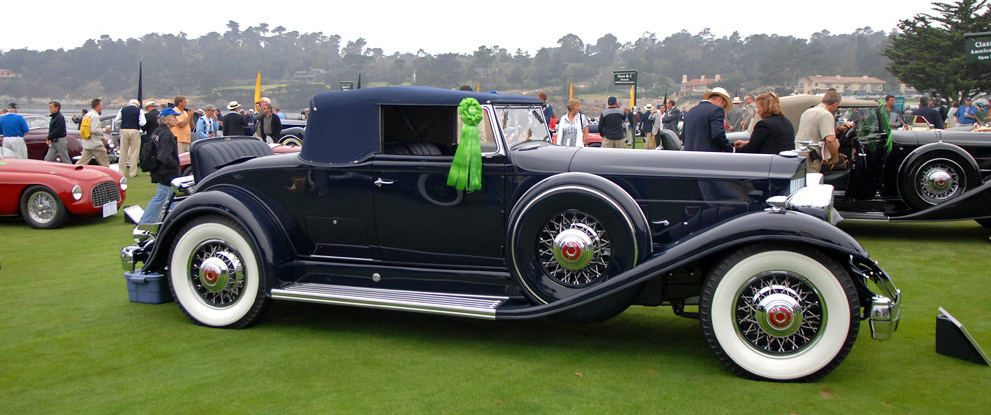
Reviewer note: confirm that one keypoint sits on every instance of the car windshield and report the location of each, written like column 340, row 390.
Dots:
column 523, row 124
column 865, row 117
column 37, row 122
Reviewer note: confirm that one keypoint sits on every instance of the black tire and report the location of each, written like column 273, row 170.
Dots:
column 216, row 276
column 41, row 208
column 572, row 227
column 933, row 180
column 986, row 222
column 187, row 171
column 780, row 312
column 596, row 144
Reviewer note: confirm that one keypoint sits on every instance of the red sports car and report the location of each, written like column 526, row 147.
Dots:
column 45, row 194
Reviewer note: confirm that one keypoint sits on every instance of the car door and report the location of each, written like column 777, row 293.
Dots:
column 419, row 218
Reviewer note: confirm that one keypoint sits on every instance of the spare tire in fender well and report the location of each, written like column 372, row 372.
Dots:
column 636, row 216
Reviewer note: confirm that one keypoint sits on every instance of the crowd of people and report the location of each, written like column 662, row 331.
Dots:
column 704, row 126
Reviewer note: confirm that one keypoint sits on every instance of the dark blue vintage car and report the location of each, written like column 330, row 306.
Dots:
column 363, row 216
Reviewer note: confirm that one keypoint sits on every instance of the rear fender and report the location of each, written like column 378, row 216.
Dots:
column 765, row 226
column 264, row 231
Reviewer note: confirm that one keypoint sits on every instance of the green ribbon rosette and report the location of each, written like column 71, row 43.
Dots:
column 466, row 171
column 887, row 125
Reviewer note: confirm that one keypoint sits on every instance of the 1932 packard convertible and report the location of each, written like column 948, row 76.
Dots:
column 363, row 216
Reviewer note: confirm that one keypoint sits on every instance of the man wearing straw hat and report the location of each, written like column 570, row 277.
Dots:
column 234, row 123
column 704, row 130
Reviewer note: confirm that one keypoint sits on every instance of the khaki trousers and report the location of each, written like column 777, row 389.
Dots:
column 182, row 148
column 610, row 143
column 99, row 153
column 130, row 145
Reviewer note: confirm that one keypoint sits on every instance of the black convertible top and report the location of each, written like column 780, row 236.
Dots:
column 344, row 126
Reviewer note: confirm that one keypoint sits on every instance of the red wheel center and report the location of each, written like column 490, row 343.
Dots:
column 210, row 275
column 571, row 251
column 779, row 317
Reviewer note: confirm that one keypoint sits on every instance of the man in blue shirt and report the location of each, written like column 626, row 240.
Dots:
column 12, row 128
column 967, row 113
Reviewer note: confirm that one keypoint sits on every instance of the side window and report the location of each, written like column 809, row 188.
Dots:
column 419, row 130
column 485, row 135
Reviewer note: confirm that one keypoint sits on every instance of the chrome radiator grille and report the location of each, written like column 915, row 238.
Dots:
column 105, row 192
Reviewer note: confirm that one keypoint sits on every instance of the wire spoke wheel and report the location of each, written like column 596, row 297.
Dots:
column 217, row 274
column 939, row 180
column 779, row 313
column 42, row 207
column 574, row 249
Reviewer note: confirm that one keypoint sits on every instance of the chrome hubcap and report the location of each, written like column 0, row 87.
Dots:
column 217, row 273
column 42, row 207
column 574, row 249
column 779, row 313
column 939, row 181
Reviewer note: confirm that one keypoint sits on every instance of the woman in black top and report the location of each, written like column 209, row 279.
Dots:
column 774, row 133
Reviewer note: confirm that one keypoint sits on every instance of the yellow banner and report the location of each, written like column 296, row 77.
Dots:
column 258, row 87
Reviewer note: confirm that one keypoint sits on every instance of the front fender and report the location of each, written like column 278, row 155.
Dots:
column 264, row 230
column 972, row 167
column 764, row 226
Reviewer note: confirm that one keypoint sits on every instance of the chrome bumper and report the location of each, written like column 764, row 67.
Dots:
column 885, row 307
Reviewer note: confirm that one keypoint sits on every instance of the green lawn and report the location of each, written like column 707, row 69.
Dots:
column 70, row 342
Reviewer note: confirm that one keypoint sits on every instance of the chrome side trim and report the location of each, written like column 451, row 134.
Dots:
column 341, row 258
column 463, row 305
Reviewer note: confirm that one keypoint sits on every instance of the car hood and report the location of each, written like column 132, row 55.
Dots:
column 661, row 163
column 59, row 169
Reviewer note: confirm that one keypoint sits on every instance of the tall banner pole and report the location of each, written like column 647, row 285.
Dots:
column 140, row 94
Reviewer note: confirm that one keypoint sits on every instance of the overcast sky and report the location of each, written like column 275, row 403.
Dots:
column 444, row 26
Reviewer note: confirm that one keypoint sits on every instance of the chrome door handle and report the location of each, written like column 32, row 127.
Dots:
column 379, row 182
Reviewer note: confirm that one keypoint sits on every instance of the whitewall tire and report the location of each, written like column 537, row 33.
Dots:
column 780, row 313
column 215, row 274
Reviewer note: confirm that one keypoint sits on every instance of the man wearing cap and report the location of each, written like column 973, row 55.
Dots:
column 167, row 164
column 234, row 123
column 57, row 146
column 131, row 119
column 151, row 119
column 207, row 125
column 704, row 129
column 611, row 125
column 12, row 128
column 967, row 113
column 818, row 126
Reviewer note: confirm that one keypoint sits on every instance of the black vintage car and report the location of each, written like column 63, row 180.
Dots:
column 918, row 174
column 363, row 216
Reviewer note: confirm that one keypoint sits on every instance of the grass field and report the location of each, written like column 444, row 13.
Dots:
column 70, row 342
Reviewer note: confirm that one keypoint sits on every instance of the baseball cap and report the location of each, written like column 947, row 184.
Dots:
column 13, row 105
column 612, row 101
column 167, row 112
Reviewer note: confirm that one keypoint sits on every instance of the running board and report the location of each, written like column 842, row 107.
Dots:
column 462, row 305
column 864, row 216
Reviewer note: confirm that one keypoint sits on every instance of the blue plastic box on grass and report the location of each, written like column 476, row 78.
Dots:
column 147, row 288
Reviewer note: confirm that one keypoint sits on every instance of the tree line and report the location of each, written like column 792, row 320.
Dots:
column 212, row 64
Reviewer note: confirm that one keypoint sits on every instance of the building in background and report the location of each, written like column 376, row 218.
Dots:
column 846, row 85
